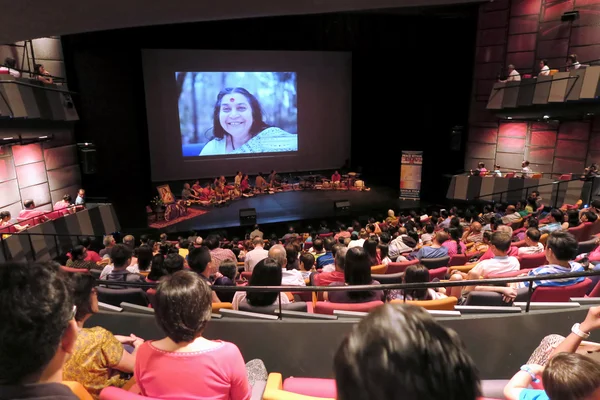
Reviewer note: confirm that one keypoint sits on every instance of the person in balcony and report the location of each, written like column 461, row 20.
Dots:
column 9, row 67
column 65, row 205
column 525, row 170
column 572, row 62
column 31, row 215
column 513, row 74
column 42, row 75
column 80, row 199
column 544, row 68
column 5, row 222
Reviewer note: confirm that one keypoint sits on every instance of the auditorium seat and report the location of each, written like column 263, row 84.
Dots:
column 324, row 235
column 327, row 307
column 379, row 269
column 395, row 267
column 458, row 259
column 586, row 247
column 563, row 293
column 246, row 275
column 582, row 232
column 301, row 306
column 274, row 390
column 446, row 304
column 528, row 261
column 217, row 306
column 565, row 177
column 78, row 390
column 388, row 278
column 462, row 268
column 116, row 296
column 439, row 273
column 433, row 263
column 509, row 175
column 510, row 274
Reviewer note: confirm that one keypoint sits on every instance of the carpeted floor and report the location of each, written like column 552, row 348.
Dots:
column 192, row 213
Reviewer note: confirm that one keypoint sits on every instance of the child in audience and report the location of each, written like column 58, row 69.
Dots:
column 416, row 274
column 307, row 264
column 227, row 277
column 532, row 240
column 567, row 376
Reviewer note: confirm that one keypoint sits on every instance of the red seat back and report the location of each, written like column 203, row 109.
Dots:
column 510, row 274
column 327, row 307
column 457, row 259
column 395, row 267
column 439, row 273
column 561, row 293
column 532, row 260
column 565, row 177
column 510, row 175
column 315, row 387
column 324, row 235
column 582, row 232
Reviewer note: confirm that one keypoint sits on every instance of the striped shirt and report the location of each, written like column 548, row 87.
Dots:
column 556, row 269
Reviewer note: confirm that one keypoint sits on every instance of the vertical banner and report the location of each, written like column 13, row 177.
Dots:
column 410, row 174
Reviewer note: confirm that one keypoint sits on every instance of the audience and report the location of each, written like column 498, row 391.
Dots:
column 401, row 352
column 416, row 274
column 327, row 257
column 436, row 250
column 98, row 355
column 290, row 276
column 109, row 242
column 254, row 256
column 121, row 270
column 532, row 241
column 556, row 219
column 266, row 273
column 453, row 244
column 79, row 255
column 307, row 265
column 5, row 222
column 327, row 278
column 357, row 271
column 201, row 262
column 38, row 331
column 183, row 308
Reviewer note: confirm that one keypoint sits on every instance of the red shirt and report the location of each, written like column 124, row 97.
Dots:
column 93, row 256
column 216, row 374
column 327, row 278
column 244, row 184
column 336, row 178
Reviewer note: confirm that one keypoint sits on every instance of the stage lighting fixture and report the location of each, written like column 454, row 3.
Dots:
column 546, row 116
column 508, row 117
column 570, row 16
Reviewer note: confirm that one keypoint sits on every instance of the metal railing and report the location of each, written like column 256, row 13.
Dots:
column 384, row 287
column 536, row 187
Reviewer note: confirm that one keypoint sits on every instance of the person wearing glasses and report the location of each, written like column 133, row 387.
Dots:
column 38, row 331
column 98, row 356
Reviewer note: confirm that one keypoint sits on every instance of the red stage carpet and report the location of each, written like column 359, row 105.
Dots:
column 192, row 212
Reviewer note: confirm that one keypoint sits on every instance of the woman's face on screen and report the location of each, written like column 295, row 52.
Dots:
column 236, row 114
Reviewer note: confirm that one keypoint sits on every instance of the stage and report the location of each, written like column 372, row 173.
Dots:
column 298, row 205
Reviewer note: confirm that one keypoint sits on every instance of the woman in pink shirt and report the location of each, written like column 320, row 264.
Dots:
column 454, row 245
column 185, row 365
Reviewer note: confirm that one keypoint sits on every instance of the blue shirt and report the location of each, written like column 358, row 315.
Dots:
column 533, row 394
column 79, row 201
column 556, row 269
column 431, row 252
column 550, row 227
column 325, row 259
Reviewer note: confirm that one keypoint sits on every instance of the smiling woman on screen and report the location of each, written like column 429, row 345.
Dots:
column 238, row 127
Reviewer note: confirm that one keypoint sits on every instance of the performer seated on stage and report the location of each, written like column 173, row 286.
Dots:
column 186, row 193
column 196, row 188
column 336, row 178
column 273, row 180
column 261, row 184
column 238, row 178
column 245, row 185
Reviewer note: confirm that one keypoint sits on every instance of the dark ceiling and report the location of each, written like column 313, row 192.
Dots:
column 28, row 19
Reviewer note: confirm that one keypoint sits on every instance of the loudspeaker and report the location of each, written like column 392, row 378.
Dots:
column 87, row 157
column 247, row 216
column 341, row 205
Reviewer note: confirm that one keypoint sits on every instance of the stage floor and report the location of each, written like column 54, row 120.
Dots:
column 298, row 205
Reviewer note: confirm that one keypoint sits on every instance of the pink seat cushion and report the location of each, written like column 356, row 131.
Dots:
column 113, row 393
column 315, row 387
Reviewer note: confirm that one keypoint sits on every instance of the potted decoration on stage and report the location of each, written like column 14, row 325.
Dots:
column 157, row 204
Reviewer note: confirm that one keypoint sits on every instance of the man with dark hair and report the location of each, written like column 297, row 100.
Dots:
column 201, row 262
column 144, row 240
column 217, row 254
column 121, row 270
column 436, row 250
column 256, row 232
column 556, row 219
column 561, row 249
column 326, row 278
column 317, row 248
column 37, row 330
column 307, row 263
column 588, row 216
column 173, row 263
column 532, row 240
column 404, row 340
column 184, row 245
column 343, row 232
column 525, row 170
column 327, row 258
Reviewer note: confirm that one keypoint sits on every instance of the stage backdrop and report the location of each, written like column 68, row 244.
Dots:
column 410, row 174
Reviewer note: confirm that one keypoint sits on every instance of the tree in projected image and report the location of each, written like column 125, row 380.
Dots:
column 275, row 92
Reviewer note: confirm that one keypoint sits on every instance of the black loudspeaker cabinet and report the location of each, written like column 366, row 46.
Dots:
column 87, row 158
column 341, row 205
column 247, row 216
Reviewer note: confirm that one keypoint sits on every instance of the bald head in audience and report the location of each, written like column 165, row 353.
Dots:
column 278, row 253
